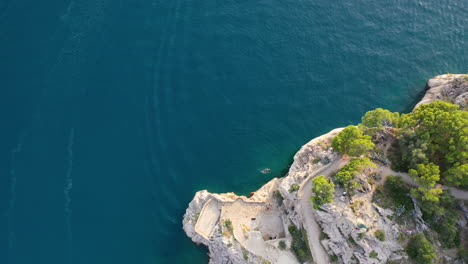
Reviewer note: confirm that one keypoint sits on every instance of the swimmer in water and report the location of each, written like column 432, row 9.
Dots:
column 266, row 170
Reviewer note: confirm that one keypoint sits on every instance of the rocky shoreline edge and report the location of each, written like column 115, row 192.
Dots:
column 258, row 229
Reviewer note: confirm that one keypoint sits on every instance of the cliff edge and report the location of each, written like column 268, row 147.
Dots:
column 277, row 224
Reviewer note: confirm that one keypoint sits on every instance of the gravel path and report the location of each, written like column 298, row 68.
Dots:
column 310, row 225
column 457, row 193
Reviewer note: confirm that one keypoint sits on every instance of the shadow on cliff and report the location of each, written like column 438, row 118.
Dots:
column 416, row 99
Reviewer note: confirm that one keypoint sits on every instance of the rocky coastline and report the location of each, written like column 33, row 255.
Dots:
column 257, row 229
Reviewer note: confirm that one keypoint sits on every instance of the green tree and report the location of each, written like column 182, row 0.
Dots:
column 444, row 221
column 458, row 175
column 394, row 193
column 380, row 235
column 345, row 176
column 412, row 150
column 282, row 244
column 351, row 141
column 428, row 195
column 380, row 118
column 421, row 250
column 445, row 130
column 425, row 175
column 323, row 190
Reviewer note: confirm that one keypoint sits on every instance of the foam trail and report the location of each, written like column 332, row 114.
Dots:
column 67, row 194
column 12, row 201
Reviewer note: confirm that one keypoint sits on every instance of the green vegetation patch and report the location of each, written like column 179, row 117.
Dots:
column 420, row 250
column 245, row 254
column 380, row 118
column 352, row 241
column 323, row 190
column 228, row 225
column 300, row 244
column 380, row 235
column 463, row 253
column 345, row 176
column 436, row 132
column 279, row 198
column 445, row 224
column 394, row 193
column 294, row 187
column 361, row 235
column 352, row 141
column 282, row 244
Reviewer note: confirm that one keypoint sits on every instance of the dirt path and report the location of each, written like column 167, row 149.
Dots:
column 310, row 225
column 457, row 193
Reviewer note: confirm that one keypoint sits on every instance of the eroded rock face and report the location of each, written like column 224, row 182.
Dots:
column 447, row 87
column 350, row 243
column 339, row 221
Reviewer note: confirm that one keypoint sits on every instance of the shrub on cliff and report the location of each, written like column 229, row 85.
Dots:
column 345, row 176
column 294, row 187
column 421, row 250
column 380, row 235
column 228, row 225
column 442, row 132
column 443, row 219
column 300, row 244
column 380, row 118
column 351, row 141
column 428, row 196
column 282, row 244
column 323, row 190
column 408, row 150
column 394, row 193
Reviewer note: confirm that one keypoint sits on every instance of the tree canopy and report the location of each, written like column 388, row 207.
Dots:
column 351, row 141
column 345, row 176
column 436, row 132
column 323, row 190
column 421, row 250
column 426, row 175
column 442, row 130
column 432, row 146
column 380, row 118
column 412, row 151
column 458, row 175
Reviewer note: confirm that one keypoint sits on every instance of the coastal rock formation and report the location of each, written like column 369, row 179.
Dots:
column 259, row 223
column 257, row 229
column 452, row 88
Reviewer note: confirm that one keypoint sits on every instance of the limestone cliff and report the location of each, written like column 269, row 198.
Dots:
column 256, row 229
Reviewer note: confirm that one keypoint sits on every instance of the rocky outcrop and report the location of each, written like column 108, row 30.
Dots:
column 350, row 231
column 239, row 229
column 447, row 87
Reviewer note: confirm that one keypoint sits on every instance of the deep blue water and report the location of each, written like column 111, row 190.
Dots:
column 113, row 113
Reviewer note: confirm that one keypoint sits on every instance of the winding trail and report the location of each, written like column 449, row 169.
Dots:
column 310, row 225
column 455, row 192
column 306, row 211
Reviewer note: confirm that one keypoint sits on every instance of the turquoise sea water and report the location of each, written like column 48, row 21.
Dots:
column 114, row 113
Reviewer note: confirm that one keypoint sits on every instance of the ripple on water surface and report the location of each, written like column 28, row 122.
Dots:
column 129, row 107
